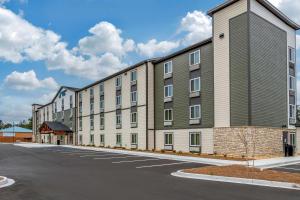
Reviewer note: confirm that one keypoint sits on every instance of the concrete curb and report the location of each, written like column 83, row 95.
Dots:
column 278, row 164
column 245, row 181
column 5, row 182
column 208, row 161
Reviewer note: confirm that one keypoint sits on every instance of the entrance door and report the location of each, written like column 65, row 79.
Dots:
column 285, row 138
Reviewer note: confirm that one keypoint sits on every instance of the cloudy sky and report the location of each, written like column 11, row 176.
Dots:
column 45, row 44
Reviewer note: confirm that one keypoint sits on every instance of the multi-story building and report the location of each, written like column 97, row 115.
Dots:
column 55, row 122
column 117, row 111
column 209, row 97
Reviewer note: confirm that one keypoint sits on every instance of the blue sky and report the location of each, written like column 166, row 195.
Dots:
column 46, row 44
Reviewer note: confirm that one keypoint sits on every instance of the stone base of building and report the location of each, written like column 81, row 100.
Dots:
column 249, row 141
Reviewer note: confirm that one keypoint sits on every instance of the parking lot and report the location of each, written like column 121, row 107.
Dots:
column 64, row 173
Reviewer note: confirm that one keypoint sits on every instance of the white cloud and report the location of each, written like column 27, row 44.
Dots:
column 21, row 41
column 105, row 38
column 290, row 7
column 152, row 47
column 28, row 81
column 12, row 110
column 197, row 26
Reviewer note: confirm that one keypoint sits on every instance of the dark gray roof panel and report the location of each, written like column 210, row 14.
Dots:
column 57, row 126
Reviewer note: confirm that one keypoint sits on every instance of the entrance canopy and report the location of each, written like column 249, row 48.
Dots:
column 56, row 128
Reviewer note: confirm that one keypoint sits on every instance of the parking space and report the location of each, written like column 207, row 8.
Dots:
column 134, row 161
column 294, row 168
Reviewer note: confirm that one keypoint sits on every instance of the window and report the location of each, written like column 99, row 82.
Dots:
column 195, row 85
column 168, row 139
column 168, row 67
column 293, row 139
column 133, row 76
column 101, row 120
column 118, row 81
column 101, row 103
column 92, row 122
column 92, row 139
column 92, row 107
column 292, row 111
column 62, row 104
column 133, row 96
column 102, row 138
column 292, row 83
column 194, row 139
column 118, row 119
column 71, row 101
column 292, row 54
column 80, row 97
column 168, row 90
column 118, row 100
column 195, row 58
column 80, row 108
column 101, row 88
column 134, row 138
column 168, row 115
column 119, row 139
column 91, row 92
column 195, row 112
column 133, row 117
column 80, row 139
column 55, row 107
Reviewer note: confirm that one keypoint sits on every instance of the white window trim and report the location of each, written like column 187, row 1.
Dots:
column 198, row 105
column 166, row 86
column 190, row 58
column 120, row 83
column 132, row 117
column 166, row 141
column 294, row 108
column 294, row 54
column 199, row 133
column 199, row 84
column 136, row 142
column 120, row 115
column 120, row 100
column 165, row 115
column 101, row 84
column 135, row 96
column 119, row 134
column 103, row 138
column 171, row 64
column 293, row 84
column 131, row 75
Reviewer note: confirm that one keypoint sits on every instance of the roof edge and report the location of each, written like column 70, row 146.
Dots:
column 264, row 3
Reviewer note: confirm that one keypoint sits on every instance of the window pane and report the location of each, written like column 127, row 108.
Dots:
column 192, row 59
column 197, row 57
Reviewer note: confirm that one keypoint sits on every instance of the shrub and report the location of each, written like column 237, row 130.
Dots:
column 162, row 151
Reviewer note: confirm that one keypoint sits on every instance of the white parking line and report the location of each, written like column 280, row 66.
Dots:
column 291, row 168
column 76, row 152
column 114, row 157
column 93, row 155
column 161, row 165
column 130, row 161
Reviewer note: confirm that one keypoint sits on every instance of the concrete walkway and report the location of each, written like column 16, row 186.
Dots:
column 265, row 183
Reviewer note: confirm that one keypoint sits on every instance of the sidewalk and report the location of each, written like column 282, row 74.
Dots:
column 276, row 162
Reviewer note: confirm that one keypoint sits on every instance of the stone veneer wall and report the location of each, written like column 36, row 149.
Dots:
column 261, row 141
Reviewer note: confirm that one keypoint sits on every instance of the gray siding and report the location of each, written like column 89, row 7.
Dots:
column 68, row 119
column 181, row 100
column 268, row 63
column 239, row 68
column 258, row 79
